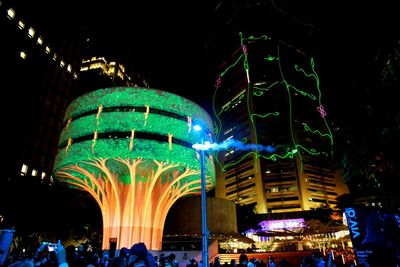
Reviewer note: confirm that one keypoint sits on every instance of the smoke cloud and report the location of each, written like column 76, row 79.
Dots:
column 231, row 143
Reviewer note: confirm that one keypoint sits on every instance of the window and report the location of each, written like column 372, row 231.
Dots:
column 22, row 54
column 43, row 175
column 10, row 13
column 228, row 130
column 31, row 32
column 34, row 172
column 47, row 50
column 40, row 40
column 69, row 68
column 21, row 25
column 24, row 170
column 62, row 64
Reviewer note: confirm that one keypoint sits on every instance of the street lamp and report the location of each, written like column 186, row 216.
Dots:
column 202, row 148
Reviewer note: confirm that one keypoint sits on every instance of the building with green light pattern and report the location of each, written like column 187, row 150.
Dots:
column 131, row 149
column 268, row 97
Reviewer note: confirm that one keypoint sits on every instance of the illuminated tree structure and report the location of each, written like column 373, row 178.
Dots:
column 131, row 149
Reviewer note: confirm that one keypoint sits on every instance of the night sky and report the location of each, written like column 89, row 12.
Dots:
column 176, row 45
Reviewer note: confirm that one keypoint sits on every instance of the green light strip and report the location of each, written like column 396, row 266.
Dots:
column 150, row 150
column 126, row 121
column 100, row 122
column 134, row 96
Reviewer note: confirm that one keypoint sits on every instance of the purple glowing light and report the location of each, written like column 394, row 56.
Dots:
column 281, row 224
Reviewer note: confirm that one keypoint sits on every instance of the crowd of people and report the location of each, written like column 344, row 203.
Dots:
column 56, row 255
column 316, row 259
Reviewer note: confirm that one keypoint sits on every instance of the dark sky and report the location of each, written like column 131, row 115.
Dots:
column 177, row 44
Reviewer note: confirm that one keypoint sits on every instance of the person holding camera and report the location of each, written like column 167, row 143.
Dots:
column 50, row 254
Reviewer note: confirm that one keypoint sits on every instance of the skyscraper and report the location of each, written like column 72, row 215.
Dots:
column 273, row 130
column 39, row 73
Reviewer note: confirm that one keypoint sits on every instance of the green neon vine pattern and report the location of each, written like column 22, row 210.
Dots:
column 255, row 90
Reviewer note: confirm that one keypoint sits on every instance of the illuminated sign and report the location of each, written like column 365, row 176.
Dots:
column 374, row 234
column 281, row 224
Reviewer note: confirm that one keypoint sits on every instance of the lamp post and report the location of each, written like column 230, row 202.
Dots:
column 204, row 228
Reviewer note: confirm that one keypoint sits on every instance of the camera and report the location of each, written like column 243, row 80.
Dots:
column 51, row 246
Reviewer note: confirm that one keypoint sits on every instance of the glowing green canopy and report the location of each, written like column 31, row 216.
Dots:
column 152, row 114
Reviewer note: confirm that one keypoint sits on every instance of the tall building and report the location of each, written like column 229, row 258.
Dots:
column 44, row 68
column 273, row 130
column 38, row 77
column 99, row 72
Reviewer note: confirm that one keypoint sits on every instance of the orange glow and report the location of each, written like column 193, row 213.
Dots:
column 68, row 123
column 146, row 114
column 68, row 145
column 132, row 139
column 134, row 211
column 170, row 141
column 98, row 113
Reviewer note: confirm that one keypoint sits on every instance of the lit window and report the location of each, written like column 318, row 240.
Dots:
column 34, row 172
column 21, row 25
column 230, row 137
column 43, row 175
column 120, row 74
column 47, row 50
column 69, row 68
column 31, row 32
column 54, row 56
column 10, row 13
column 228, row 131
column 62, row 64
column 111, row 71
column 22, row 54
column 24, row 170
column 75, row 76
column 40, row 40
